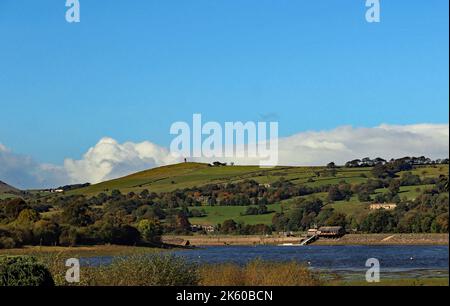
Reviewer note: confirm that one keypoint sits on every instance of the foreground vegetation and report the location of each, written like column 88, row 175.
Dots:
column 160, row 270
column 168, row 270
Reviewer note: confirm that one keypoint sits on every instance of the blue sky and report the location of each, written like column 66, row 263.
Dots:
column 132, row 68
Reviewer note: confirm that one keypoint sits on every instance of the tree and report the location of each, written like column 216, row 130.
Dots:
column 336, row 219
column 68, row 236
column 77, row 214
column 324, row 215
column 380, row 221
column 394, row 187
column 228, row 226
column 150, row 230
column 125, row 235
column 27, row 217
column 46, row 232
column 280, row 222
column 382, row 171
column 12, row 208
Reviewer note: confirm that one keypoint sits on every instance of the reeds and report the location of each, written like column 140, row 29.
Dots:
column 169, row 270
column 259, row 273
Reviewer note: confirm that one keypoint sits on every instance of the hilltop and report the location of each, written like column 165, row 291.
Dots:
column 7, row 190
column 186, row 175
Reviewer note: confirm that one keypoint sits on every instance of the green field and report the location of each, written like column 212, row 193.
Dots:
column 218, row 214
column 4, row 196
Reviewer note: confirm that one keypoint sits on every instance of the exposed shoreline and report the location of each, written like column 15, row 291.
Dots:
column 204, row 240
column 350, row 239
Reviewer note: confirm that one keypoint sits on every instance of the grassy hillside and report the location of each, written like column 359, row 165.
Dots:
column 185, row 175
column 7, row 191
column 179, row 176
column 5, row 188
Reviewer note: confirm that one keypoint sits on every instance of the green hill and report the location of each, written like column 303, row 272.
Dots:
column 5, row 188
column 185, row 175
column 7, row 191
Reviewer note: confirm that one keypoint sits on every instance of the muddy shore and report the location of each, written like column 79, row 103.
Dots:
column 350, row 239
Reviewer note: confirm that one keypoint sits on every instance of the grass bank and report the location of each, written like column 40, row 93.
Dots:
column 81, row 251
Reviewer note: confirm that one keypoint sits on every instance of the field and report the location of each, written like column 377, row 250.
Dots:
column 4, row 196
column 218, row 214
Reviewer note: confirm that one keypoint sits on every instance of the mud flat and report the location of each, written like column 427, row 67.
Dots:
column 387, row 239
column 350, row 239
column 213, row 240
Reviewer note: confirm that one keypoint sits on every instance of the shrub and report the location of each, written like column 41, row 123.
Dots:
column 8, row 240
column 23, row 271
column 7, row 243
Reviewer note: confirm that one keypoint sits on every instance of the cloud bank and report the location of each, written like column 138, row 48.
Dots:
column 109, row 159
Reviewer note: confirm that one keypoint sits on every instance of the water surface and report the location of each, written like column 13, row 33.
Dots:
column 347, row 261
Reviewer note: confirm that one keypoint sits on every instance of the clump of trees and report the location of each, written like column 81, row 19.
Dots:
column 231, row 227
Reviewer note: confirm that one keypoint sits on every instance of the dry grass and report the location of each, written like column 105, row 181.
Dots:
column 258, row 273
column 136, row 270
column 163, row 270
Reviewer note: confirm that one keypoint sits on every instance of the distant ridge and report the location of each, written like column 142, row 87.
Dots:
column 5, row 188
column 180, row 176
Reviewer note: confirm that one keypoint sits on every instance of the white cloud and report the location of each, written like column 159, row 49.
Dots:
column 346, row 143
column 109, row 159
column 23, row 172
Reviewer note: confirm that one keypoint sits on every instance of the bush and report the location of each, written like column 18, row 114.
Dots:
column 8, row 239
column 7, row 243
column 24, row 271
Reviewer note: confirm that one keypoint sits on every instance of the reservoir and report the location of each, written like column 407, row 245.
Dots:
column 346, row 261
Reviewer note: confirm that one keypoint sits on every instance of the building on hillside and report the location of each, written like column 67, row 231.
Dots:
column 206, row 228
column 267, row 185
column 331, row 231
column 312, row 232
column 386, row 206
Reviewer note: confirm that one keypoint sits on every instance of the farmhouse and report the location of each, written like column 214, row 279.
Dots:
column 206, row 228
column 386, row 206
